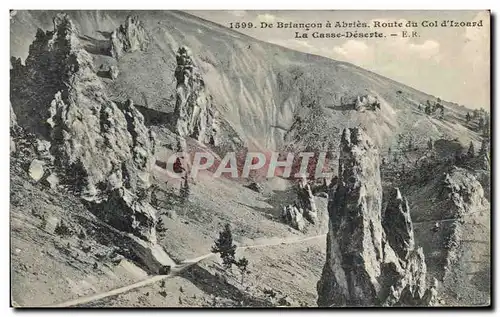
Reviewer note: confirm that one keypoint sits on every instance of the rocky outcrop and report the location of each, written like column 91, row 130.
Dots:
column 362, row 267
column 397, row 224
column 360, row 102
column 194, row 115
column 464, row 196
column 292, row 216
column 113, row 72
column 463, row 193
column 98, row 145
column 128, row 213
column 129, row 37
column 97, row 149
column 306, row 202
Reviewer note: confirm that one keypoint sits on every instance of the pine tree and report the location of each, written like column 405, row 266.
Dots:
column 467, row 117
column 225, row 247
column 471, row 151
column 486, row 127
column 484, row 147
column 242, row 265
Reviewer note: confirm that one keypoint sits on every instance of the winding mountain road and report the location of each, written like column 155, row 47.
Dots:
column 176, row 270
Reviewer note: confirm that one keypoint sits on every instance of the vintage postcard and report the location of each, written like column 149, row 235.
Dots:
column 250, row 158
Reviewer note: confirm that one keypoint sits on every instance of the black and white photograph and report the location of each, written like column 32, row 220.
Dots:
column 250, row 158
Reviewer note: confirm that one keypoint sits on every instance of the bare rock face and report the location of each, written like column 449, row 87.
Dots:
column 362, row 268
column 14, row 130
column 306, row 202
column 464, row 197
column 463, row 192
column 128, row 213
column 96, row 145
column 293, row 216
column 397, row 224
column 194, row 114
column 129, row 37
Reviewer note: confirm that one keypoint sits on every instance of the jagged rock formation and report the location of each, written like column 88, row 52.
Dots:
column 127, row 212
column 98, row 149
column 306, row 202
column 367, row 265
column 293, row 216
column 397, row 224
column 194, row 114
column 129, row 37
column 98, row 145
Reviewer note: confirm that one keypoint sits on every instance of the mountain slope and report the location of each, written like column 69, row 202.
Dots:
column 259, row 88
column 271, row 98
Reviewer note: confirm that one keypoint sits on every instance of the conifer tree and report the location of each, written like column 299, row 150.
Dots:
column 225, row 247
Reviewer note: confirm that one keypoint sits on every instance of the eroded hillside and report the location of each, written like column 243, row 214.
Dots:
column 99, row 99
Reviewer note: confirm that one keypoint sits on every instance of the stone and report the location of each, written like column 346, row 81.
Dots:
column 113, row 72
column 172, row 214
column 52, row 181
column 360, row 102
column 36, row 171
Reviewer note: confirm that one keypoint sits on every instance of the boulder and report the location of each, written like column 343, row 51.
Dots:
column 113, row 72
column 36, row 170
column 126, row 212
column 360, row 102
column 52, row 181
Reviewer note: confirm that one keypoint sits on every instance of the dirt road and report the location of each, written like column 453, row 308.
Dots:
column 177, row 269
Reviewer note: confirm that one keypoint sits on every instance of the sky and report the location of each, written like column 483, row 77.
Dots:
column 448, row 62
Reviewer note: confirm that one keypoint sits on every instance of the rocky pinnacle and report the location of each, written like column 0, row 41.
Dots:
column 369, row 264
